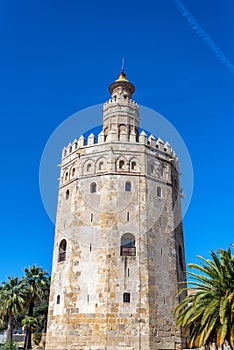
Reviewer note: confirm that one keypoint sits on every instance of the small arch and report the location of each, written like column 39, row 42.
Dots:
column 67, row 194
column 66, row 176
column 133, row 165
column 121, row 164
column 128, row 186
column 73, row 171
column 159, row 192
column 70, row 149
column 58, row 299
column 88, row 167
column 127, row 247
column 76, row 144
column 100, row 165
column 65, row 153
column 93, row 187
column 126, row 297
column 62, row 250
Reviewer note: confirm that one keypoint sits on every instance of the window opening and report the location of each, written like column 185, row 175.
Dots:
column 101, row 166
column 58, row 299
column 88, row 167
column 67, row 194
column 128, row 186
column 128, row 216
column 128, row 245
column 121, row 164
column 93, row 187
column 62, row 250
column 159, row 192
column 133, row 165
column 126, row 297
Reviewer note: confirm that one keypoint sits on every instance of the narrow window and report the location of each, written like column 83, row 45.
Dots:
column 93, row 187
column 128, row 272
column 181, row 257
column 70, row 149
column 87, row 297
column 128, row 216
column 67, row 194
column 65, row 153
column 127, row 247
column 62, row 250
column 66, row 176
column 128, row 186
column 133, row 166
column 88, row 167
column 58, row 299
column 100, row 167
column 126, row 297
column 76, row 145
column 159, row 192
column 90, row 247
column 91, row 217
column 121, row 164
column 73, row 171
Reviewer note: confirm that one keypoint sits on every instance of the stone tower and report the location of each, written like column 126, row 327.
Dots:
column 118, row 251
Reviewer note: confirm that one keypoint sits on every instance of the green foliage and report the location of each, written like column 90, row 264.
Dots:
column 207, row 312
column 25, row 301
column 9, row 345
column 37, row 338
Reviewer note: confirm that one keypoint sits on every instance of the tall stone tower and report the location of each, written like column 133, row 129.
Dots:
column 118, row 251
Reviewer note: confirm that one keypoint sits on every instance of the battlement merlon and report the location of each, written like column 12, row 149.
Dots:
column 158, row 147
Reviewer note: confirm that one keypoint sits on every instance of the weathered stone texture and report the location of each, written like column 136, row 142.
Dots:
column 96, row 208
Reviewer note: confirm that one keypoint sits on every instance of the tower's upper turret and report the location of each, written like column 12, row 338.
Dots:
column 121, row 86
column 121, row 113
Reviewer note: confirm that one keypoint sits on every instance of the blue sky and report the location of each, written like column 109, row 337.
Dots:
column 58, row 57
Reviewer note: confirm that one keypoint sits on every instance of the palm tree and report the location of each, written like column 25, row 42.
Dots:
column 37, row 285
column 207, row 312
column 30, row 324
column 12, row 302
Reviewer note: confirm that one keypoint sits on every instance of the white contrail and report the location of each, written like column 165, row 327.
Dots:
column 204, row 36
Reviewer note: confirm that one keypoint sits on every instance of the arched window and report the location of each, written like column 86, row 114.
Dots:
column 121, row 164
column 128, row 247
column 76, row 145
column 126, row 297
column 67, row 194
column 58, row 299
column 62, row 250
column 73, row 171
column 70, row 149
column 65, row 153
column 66, row 176
column 100, row 166
column 159, row 192
column 93, row 187
column 133, row 165
column 128, row 186
column 88, row 168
